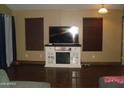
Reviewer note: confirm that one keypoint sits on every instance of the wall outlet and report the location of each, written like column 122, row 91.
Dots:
column 40, row 56
column 93, row 56
column 26, row 55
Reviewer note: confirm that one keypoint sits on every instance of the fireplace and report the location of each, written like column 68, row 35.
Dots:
column 62, row 56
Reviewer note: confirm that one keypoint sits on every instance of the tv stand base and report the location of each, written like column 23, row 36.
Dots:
column 63, row 65
column 62, row 56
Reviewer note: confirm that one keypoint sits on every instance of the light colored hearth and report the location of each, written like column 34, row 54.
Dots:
column 74, row 56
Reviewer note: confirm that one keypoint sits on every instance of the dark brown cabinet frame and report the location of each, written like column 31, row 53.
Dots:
column 92, row 34
column 34, row 34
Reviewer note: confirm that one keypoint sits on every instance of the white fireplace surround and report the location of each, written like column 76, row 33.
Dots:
column 50, row 54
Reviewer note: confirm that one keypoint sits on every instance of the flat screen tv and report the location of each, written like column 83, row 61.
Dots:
column 63, row 34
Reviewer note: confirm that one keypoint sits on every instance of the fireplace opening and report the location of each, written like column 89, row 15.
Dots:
column 62, row 58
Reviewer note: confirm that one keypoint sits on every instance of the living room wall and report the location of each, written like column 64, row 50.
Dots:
column 112, row 32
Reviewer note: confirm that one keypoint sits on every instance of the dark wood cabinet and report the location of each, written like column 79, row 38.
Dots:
column 34, row 33
column 92, row 34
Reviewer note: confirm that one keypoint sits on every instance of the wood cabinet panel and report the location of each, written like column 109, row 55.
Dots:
column 92, row 34
column 34, row 33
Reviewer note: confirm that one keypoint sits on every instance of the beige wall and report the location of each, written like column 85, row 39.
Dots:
column 5, row 9
column 112, row 29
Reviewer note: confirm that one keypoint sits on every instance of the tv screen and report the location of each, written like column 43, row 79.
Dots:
column 63, row 34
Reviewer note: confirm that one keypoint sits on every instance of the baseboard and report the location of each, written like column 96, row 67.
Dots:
column 82, row 63
column 30, row 62
column 101, row 63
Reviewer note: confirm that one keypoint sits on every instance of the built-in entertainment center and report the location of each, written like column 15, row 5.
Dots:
column 63, row 49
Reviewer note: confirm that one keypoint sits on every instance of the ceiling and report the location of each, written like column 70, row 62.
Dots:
column 62, row 6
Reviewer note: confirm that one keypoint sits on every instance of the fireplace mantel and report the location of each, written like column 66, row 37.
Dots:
column 53, row 51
